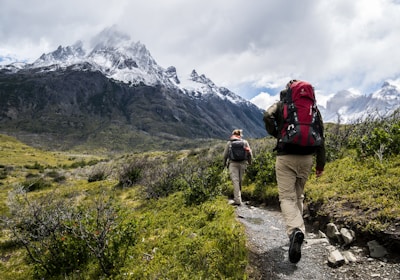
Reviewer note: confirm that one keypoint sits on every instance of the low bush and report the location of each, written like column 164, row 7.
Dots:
column 368, row 190
column 203, row 179
column 56, row 176
column 3, row 174
column 36, row 165
column 61, row 239
column 99, row 173
column 35, row 184
column 132, row 173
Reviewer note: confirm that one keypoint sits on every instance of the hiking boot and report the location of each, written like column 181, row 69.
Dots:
column 296, row 239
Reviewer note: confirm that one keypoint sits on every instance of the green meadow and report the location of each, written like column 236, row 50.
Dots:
column 165, row 214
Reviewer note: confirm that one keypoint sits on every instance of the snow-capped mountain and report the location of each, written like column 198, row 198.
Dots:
column 118, row 57
column 348, row 106
column 112, row 92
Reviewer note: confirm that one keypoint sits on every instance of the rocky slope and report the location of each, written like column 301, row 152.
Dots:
column 116, row 95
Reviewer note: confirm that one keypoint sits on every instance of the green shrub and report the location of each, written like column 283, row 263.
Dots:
column 36, row 165
column 164, row 180
column 106, row 234
column 262, row 170
column 377, row 137
column 61, row 239
column 52, row 174
column 132, row 173
column 366, row 192
column 3, row 174
column 34, row 184
column 77, row 164
column 57, row 177
column 83, row 163
column 97, row 176
column 99, row 172
column 381, row 141
column 203, row 180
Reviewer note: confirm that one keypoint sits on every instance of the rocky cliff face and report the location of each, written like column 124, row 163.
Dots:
column 114, row 92
column 349, row 107
column 72, row 107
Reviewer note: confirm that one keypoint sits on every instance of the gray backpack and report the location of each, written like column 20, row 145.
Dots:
column 237, row 151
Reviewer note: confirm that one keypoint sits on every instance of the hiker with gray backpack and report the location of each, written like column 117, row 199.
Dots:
column 237, row 155
column 296, row 123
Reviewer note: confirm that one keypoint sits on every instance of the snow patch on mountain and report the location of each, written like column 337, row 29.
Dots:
column 201, row 86
column 118, row 57
column 348, row 106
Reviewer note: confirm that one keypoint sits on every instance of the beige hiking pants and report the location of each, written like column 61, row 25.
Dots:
column 292, row 172
column 236, row 172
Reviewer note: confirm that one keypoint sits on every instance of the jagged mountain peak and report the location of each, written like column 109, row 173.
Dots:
column 347, row 106
column 118, row 57
column 111, row 52
column 200, row 78
column 112, row 41
column 65, row 55
column 172, row 75
column 115, row 80
column 388, row 92
column 115, row 84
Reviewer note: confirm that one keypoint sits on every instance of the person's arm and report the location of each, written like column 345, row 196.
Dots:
column 321, row 159
column 320, row 152
column 226, row 155
column 249, row 153
column 270, row 120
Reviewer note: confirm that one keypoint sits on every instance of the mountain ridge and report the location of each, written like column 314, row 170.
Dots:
column 117, row 86
column 347, row 106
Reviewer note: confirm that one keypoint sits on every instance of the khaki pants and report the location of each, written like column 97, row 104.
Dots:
column 292, row 172
column 236, row 172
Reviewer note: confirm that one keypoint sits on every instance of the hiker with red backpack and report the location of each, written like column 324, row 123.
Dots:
column 296, row 123
column 237, row 155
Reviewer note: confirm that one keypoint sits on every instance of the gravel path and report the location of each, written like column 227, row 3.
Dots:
column 268, row 246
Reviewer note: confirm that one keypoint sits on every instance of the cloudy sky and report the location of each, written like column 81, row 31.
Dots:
column 252, row 47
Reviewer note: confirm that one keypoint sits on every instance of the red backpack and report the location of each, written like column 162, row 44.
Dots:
column 301, row 116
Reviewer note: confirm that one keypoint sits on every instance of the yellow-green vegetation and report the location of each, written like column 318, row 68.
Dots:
column 365, row 193
column 20, row 163
column 17, row 154
column 360, row 186
column 164, row 215
column 177, row 241
column 260, row 180
column 156, row 215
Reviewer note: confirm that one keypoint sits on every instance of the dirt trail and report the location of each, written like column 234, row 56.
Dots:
column 268, row 246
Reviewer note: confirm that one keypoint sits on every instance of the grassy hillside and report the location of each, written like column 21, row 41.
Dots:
column 362, row 194
column 165, row 214
column 129, row 222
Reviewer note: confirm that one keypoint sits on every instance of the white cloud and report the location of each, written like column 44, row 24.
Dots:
column 264, row 100
column 322, row 99
column 333, row 44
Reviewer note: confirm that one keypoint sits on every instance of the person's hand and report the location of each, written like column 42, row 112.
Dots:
column 319, row 173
